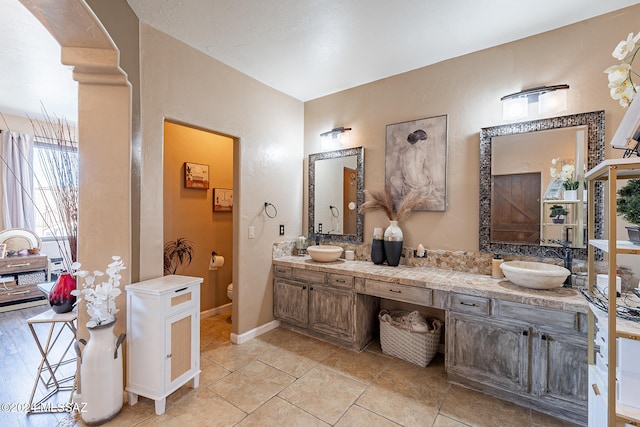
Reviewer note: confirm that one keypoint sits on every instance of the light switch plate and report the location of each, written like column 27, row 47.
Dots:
column 252, row 232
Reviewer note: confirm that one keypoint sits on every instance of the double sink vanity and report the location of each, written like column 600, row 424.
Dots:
column 523, row 345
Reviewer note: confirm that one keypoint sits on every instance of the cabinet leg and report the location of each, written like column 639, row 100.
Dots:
column 195, row 381
column 132, row 398
column 160, row 405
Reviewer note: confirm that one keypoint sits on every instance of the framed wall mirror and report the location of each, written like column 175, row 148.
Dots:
column 336, row 192
column 519, row 197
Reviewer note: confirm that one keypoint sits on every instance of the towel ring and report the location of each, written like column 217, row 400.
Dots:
column 266, row 210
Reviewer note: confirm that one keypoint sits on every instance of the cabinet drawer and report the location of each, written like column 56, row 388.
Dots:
column 469, row 304
column 537, row 315
column 394, row 291
column 341, row 280
column 309, row 276
column 20, row 264
column 281, row 271
column 180, row 299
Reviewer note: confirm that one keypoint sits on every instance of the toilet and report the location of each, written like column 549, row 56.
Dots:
column 230, row 291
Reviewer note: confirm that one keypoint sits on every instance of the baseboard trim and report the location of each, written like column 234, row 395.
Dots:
column 215, row 310
column 253, row 333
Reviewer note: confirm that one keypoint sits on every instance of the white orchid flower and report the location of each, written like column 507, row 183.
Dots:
column 625, row 47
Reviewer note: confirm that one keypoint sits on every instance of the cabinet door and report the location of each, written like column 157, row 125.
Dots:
column 181, row 356
column 488, row 351
column 291, row 302
column 560, row 368
column 331, row 311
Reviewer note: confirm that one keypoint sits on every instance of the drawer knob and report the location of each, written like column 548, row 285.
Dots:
column 525, row 333
column 169, row 356
column 341, row 281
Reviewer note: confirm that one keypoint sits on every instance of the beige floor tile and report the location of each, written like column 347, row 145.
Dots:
column 235, row 356
column 211, row 372
column 204, row 408
column 442, row 421
column 253, row 385
column 324, row 393
column 432, row 376
column 128, row 416
column 364, row 367
column 478, row 409
column 295, row 355
column 538, row 419
column 278, row 412
column 360, row 417
column 406, row 402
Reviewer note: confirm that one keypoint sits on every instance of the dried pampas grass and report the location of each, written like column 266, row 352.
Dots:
column 382, row 200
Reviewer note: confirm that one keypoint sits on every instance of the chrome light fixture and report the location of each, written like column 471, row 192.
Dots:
column 550, row 100
column 336, row 136
column 334, row 133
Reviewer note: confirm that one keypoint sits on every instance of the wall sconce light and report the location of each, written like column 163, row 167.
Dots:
column 550, row 100
column 334, row 136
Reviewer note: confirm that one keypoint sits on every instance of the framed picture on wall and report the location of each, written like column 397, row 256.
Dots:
column 416, row 161
column 196, row 176
column 222, row 200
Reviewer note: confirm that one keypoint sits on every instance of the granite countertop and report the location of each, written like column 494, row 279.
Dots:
column 446, row 280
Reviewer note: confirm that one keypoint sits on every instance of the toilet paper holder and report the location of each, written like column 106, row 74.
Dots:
column 216, row 261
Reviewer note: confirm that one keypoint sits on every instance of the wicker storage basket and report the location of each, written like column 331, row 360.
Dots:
column 397, row 339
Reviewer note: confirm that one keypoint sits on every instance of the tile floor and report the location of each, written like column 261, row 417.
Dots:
column 279, row 379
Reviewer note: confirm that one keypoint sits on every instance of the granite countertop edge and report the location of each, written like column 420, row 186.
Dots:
column 568, row 299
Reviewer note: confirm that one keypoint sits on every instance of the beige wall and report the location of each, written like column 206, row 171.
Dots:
column 184, row 85
column 189, row 212
column 468, row 89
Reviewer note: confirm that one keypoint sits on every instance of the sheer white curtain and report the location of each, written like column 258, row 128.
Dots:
column 17, row 180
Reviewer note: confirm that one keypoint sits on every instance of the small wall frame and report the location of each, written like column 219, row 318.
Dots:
column 196, row 176
column 222, row 200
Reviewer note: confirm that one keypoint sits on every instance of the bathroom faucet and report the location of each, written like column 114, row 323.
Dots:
column 567, row 256
column 318, row 239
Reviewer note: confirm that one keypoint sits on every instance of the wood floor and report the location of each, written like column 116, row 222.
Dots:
column 278, row 379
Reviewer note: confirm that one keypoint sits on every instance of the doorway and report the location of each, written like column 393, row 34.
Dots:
column 200, row 156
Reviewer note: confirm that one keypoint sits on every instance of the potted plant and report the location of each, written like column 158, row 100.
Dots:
column 177, row 252
column 628, row 206
column 557, row 211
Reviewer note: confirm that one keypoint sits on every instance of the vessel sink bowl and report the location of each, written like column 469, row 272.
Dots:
column 534, row 275
column 324, row 253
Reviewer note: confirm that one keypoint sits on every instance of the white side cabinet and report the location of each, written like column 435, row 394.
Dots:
column 163, row 337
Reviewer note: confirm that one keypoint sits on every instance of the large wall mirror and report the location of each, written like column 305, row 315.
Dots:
column 336, row 192
column 517, row 191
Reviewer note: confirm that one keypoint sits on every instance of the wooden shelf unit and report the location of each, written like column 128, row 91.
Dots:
column 609, row 172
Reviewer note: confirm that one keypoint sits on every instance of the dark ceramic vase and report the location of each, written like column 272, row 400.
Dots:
column 60, row 296
column 377, row 251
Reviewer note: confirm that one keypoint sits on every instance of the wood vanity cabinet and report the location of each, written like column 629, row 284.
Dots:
column 527, row 354
column 324, row 305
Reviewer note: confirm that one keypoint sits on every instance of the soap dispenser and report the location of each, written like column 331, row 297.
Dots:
column 496, row 271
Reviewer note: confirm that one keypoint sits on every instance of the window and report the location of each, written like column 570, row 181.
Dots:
column 55, row 166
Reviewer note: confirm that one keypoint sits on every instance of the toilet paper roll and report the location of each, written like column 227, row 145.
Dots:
column 215, row 262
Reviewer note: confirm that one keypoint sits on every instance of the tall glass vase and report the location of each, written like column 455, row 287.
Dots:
column 393, row 243
column 101, row 375
column 60, row 297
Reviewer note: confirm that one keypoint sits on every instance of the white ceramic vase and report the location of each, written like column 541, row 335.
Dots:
column 393, row 243
column 570, row 194
column 101, row 389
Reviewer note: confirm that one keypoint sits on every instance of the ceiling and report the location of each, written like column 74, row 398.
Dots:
column 304, row 48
